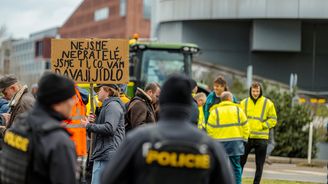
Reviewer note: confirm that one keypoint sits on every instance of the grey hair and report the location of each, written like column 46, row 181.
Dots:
column 226, row 96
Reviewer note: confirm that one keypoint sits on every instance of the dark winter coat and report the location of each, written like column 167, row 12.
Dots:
column 54, row 156
column 109, row 129
column 140, row 110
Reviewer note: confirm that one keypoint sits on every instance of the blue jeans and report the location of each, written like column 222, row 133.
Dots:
column 97, row 170
column 235, row 163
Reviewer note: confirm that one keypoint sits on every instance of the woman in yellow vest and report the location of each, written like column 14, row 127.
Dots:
column 227, row 124
column 200, row 99
column 261, row 115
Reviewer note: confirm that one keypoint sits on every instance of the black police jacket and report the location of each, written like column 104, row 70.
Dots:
column 164, row 153
column 54, row 156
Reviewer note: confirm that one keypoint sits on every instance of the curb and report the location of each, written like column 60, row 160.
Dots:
column 289, row 160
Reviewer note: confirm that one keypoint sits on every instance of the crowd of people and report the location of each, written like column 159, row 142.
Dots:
column 164, row 134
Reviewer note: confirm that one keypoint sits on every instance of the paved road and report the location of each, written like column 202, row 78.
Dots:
column 289, row 172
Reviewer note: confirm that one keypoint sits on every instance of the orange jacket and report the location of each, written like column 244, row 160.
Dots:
column 79, row 136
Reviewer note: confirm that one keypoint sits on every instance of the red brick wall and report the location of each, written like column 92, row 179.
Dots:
column 81, row 24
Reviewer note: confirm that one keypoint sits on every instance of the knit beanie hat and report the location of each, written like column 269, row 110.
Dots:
column 176, row 91
column 54, row 88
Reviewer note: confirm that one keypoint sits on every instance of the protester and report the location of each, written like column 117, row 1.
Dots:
column 201, row 99
column 261, row 115
column 108, row 128
column 141, row 110
column 21, row 100
column 213, row 99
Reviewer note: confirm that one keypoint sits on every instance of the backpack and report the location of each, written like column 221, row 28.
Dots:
column 21, row 145
column 128, row 106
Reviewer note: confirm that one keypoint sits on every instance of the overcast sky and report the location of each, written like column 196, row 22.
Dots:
column 23, row 17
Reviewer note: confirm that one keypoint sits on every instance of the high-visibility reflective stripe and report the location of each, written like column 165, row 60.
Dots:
column 243, row 123
column 217, row 117
column 263, row 108
column 259, row 133
column 230, row 139
column 218, row 125
column 262, row 113
column 77, row 117
column 238, row 115
column 271, row 117
column 246, row 104
column 75, row 126
column 256, row 118
column 253, row 117
column 204, row 124
column 225, row 125
column 267, row 124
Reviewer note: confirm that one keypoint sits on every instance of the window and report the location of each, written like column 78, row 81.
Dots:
column 38, row 48
column 157, row 65
column 134, row 60
column 147, row 8
column 101, row 14
column 122, row 8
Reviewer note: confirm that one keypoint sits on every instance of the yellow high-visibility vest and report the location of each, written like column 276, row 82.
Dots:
column 124, row 98
column 261, row 116
column 227, row 122
column 201, row 118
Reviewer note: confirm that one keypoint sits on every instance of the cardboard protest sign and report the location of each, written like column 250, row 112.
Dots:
column 103, row 61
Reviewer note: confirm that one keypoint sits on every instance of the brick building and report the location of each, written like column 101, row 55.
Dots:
column 108, row 19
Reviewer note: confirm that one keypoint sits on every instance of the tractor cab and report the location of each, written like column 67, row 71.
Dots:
column 152, row 61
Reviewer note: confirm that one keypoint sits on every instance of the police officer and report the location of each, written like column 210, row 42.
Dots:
column 37, row 148
column 172, row 151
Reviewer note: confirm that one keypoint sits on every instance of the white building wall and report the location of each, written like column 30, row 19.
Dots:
column 174, row 10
